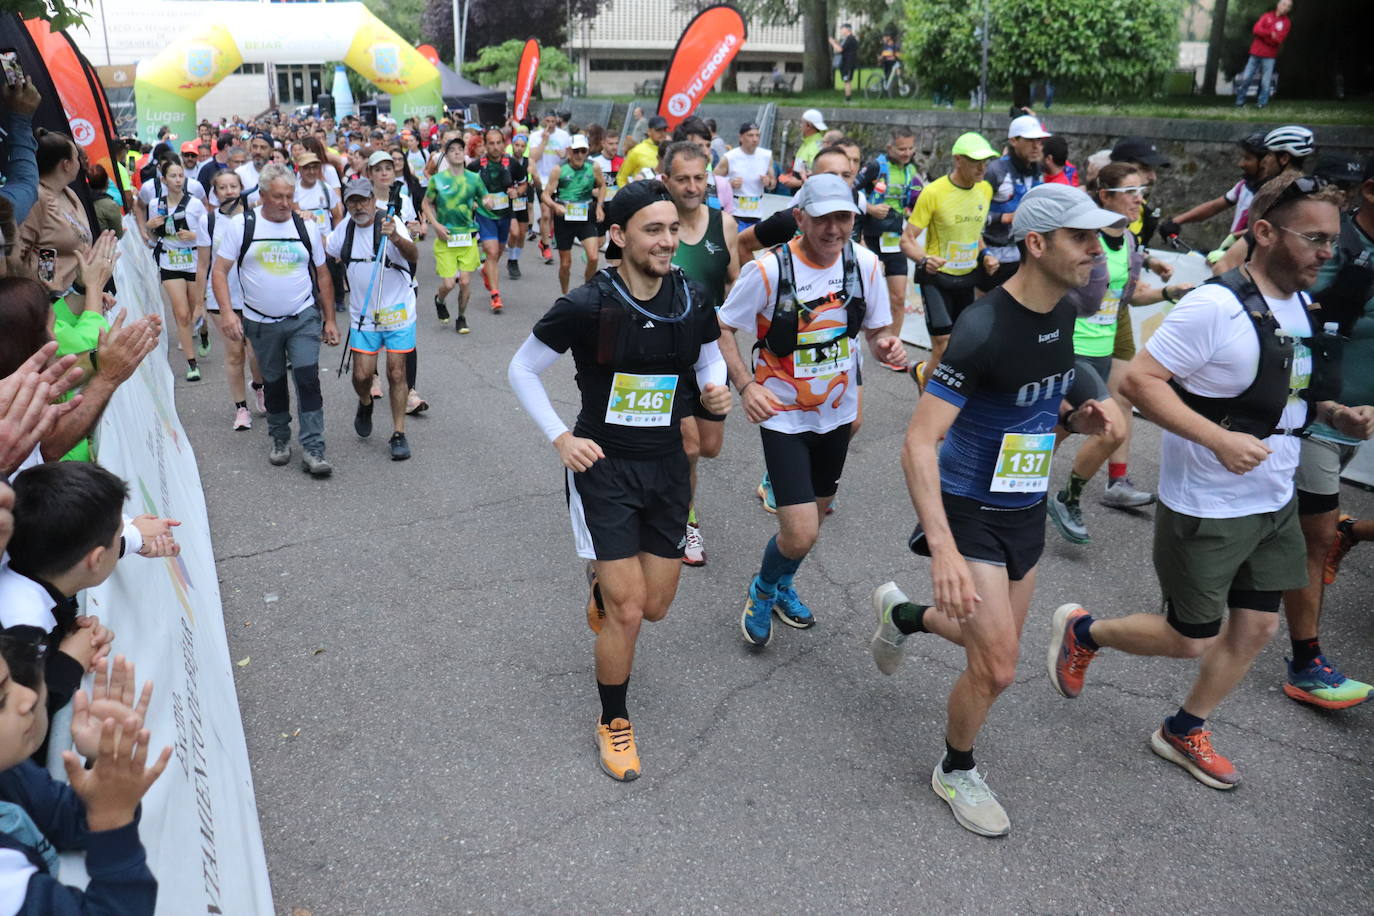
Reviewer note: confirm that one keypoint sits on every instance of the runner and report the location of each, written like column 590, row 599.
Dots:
column 548, row 148
column 801, row 388
column 381, row 304
column 450, row 205
column 1286, row 149
column 1255, row 169
column 626, row 474
column 812, row 127
column 951, row 211
column 1115, row 279
column 977, row 462
column 520, row 204
column 1233, row 390
column 314, row 200
column 181, row 250
column 259, row 147
column 891, row 182
column 642, row 159
column 749, row 169
column 1011, row 177
column 494, row 211
column 706, row 254
column 1345, row 291
column 573, row 194
column 227, row 187
column 1148, row 159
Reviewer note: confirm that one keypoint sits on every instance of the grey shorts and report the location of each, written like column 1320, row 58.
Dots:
column 1089, row 379
column 1320, row 466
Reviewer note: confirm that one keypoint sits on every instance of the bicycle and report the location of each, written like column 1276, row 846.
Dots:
column 893, row 84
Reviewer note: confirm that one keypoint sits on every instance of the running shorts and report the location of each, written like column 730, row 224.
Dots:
column 1003, row 273
column 1089, row 379
column 895, row 264
column 177, row 275
column 1124, row 347
column 622, row 507
column 945, row 298
column 449, row 261
column 565, row 233
column 1319, row 475
column 1012, row 538
column 497, row 230
column 804, row 467
column 394, row 340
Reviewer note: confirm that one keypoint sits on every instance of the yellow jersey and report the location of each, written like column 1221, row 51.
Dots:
column 953, row 218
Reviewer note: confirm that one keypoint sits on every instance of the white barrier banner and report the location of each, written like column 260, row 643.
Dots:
column 200, row 820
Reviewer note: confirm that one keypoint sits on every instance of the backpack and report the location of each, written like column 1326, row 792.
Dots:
column 781, row 338
column 250, row 222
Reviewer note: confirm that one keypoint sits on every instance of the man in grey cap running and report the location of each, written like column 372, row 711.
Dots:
column 977, row 462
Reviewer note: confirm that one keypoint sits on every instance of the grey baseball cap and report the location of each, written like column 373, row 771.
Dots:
column 1048, row 207
column 823, row 194
column 357, row 187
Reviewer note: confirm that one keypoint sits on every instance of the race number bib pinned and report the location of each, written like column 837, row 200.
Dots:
column 890, row 242
column 180, row 259
column 459, row 239
column 1111, row 305
column 816, row 362
column 641, row 400
column 391, row 317
column 577, row 211
column 1023, row 463
column 323, row 220
column 497, row 201
column 519, row 204
column 961, row 255
column 747, row 205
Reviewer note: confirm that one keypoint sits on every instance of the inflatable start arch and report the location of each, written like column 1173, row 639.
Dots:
column 167, row 87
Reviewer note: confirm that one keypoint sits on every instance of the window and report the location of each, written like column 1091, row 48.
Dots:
column 639, row 65
column 250, row 68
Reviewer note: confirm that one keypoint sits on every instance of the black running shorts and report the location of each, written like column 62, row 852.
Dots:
column 621, row 507
column 1003, row 273
column 944, row 298
column 565, row 233
column 804, row 467
column 895, row 264
column 1013, row 538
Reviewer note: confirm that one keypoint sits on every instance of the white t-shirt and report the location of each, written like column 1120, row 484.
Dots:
column 317, row 203
column 1209, row 344
column 1241, row 196
column 809, row 404
column 248, row 174
column 395, row 303
column 23, row 602
column 558, row 140
column 417, row 162
column 235, row 284
column 751, row 167
column 275, row 277
column 174, row 254
column 602, row 162
column 330, row 176
column 152, row 190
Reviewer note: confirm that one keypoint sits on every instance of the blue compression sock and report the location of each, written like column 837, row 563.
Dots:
column 777, row 569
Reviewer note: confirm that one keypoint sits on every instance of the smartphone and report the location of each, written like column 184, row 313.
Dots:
column 9, row 62
column 47, row 264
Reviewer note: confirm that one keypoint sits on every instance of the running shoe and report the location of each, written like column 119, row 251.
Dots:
column 830, row 506
column 1068, row 519
column 400, row 448
column 496, row 303
column 242, row 419
column 615, row 748
column 1194, row 752
column 513, row 269
column 260, row 401
column 415, row 404
column 1068, row 658
column 485, row 280
column 918, row 375
column 1122, row 494
column 461, row 324
column 1320, row 684
column 765, row 494
column 886, row 644
column 546, row 253
column 693, row 550
column 192, row 373
column 975, row 806
column 442, row 309
column 791, row 610
column 895, row 367
column 596, row 610
column 203, row 348
column 376, row 391
column 316, row 465
column 1345, row 540
column 280, row 453
column 362, row 420
column 757, row 619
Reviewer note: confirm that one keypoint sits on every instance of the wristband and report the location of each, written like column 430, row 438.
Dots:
column 1066, row 418
column 746, row 385
column 921, row 266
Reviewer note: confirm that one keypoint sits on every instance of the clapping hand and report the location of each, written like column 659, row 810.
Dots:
column 112, row 697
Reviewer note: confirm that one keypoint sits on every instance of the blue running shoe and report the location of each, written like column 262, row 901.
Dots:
column 757, row 619
column 765, row 494
column 790, row 609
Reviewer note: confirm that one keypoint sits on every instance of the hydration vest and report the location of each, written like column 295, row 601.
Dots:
column 1258, row 409
column 378, row 240
column 176, row 217
column 781, row 338
column 620, row 345
column 250, row 221
column 1353, row 286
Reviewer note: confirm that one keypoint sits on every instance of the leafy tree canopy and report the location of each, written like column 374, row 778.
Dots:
column 499, row 63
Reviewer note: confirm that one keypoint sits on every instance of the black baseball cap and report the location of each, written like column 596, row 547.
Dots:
column 1138, row 149
column 746, row 127
column 657, row 122
column 632, row 198
column 1345, row 171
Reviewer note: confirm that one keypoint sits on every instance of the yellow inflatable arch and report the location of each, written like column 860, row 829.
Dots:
column 167, row 87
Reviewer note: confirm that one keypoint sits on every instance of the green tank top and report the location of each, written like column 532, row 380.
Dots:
column 1096, row 334
column 574, row 184
column 707, row 261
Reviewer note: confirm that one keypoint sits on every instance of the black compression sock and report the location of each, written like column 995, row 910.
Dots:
column 191, row 363
column 241, row 404
column 1074, row 489
column 909, row 618
column 956, row 760
column 257, row 386
column 1304, row 650
column 613, row 701
column 412, row 368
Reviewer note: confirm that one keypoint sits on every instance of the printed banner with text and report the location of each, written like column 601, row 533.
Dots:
column 708, row 44
column 525, row 78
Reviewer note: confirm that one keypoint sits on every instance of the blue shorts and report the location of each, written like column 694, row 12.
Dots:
column 399, row 340
column 489, row 229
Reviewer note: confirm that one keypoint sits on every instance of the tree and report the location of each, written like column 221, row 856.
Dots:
column 491, row 22
column 60, row 14
column 499, row 63
column 1107, row 48
column 402, row 15
column 814, row 16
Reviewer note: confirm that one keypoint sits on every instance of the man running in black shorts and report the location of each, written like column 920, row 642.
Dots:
column 626, row 472
column 891, row 182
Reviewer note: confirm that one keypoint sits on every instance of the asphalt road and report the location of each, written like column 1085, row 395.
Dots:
column 421, row 624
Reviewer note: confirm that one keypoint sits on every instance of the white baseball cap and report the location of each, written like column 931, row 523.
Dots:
column 825, row 193
column 813, row 117
column 579, row 141
column 1027, row 127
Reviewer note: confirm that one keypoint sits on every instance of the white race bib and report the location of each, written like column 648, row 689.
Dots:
column 1111, row 304
column 182, row 259
column 747, row 205
column 1023, row 463
column 576, row 211
column 459, row 239
column 519, row 204
column 324, row 220
column 817, row 362
column 641, row 400
column 890, row 242
column 961, row 255
column 391, row 317
column 497, row 201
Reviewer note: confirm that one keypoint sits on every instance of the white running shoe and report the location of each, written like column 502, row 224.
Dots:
column 974, row 805
column 886, row 644
column 694, row 550
column 242, row 419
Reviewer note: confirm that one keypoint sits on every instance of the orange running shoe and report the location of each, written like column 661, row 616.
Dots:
column 1068, row 658
column 495, row 301
column 1194, row 752
column 1345, row 539
column 596, row 612
column 615, row 746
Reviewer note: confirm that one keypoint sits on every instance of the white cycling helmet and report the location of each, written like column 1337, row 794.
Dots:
column 1293, row 139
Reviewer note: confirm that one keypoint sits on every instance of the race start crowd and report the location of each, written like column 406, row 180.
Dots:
column 276, row 230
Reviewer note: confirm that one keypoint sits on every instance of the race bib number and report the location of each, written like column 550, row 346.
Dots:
column 816, row 362
column 459, row 239
column 1301, row 376
column 182, row 259
column 747, row 205
column 890, row 242
column 323, row 220
column 519, row 204
column 641, row 400
column 497, row 201
column 961, row 255
column 1111, row 304
column 576, row 212
column 1023, row 463
column 391, row 317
